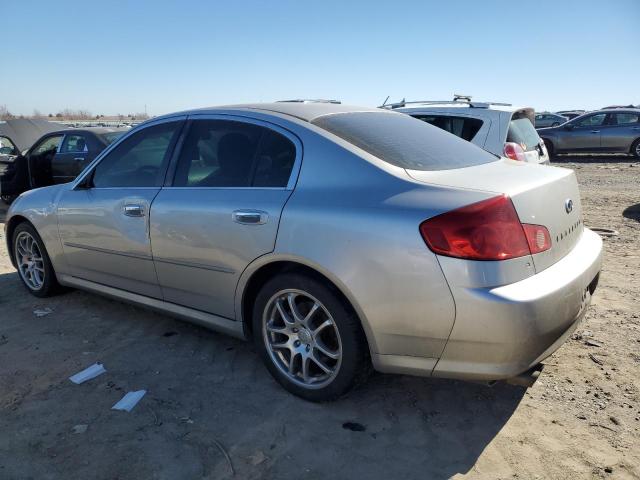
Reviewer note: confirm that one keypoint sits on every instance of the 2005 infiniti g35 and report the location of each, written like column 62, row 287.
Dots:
column 335, row 237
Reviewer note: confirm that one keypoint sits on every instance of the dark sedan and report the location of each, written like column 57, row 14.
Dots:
column 603, row 131
column 57, row 157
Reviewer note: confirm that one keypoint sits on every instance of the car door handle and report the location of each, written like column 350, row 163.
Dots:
column 595, row 131
column 79, row 159
column 133, row 210
column 635, row 128
column 250, row 217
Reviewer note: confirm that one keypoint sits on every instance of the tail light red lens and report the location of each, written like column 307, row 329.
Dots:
column 514, row 151
column 487, row 230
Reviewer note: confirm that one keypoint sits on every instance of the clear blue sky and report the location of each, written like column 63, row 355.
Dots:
column 115, row 57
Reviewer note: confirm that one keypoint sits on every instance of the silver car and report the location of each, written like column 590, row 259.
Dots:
column 336, row 237
column 603, row 131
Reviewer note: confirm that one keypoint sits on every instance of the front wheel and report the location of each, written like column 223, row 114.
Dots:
column 32, row 260
column 310, row 341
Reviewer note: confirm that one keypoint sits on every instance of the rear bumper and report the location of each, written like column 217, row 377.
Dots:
column 503, row 331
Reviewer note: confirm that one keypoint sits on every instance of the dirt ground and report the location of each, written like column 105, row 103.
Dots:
column 212, row 410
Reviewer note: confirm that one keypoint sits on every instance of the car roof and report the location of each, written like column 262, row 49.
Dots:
column 307, row 111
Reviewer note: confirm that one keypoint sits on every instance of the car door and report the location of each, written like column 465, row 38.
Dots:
column 221, row 208
column 72, row 157
column 621, row 130
column 583, row 133
column 104, row 220
column 39, row 159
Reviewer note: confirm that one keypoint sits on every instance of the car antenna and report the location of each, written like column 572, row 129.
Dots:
column 385, row 101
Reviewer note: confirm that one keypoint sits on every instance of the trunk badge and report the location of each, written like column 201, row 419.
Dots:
column 568, row 205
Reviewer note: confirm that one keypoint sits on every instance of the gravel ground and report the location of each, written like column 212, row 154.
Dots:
column 212, row 411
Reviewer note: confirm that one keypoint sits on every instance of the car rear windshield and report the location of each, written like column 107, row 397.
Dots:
column 111, row 136
column 522, row 131
column 404, row 141
column 463, row 127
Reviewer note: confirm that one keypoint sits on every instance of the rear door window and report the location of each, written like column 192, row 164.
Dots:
column 232, row 154
column 462, row 127
column 624, row 118
column 522, row 132
column 403, row 141
column 74, row 144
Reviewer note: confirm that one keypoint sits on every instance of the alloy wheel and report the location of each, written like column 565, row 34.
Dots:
column 29, row 260
column 302, row 338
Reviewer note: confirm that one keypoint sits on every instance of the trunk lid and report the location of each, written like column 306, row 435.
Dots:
column 541, row 195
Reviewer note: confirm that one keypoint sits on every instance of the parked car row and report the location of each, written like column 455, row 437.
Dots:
column 335, row 237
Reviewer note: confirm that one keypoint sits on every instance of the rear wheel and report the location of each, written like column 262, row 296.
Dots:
column 308, row 338
column 635, row 149
column 34, row 265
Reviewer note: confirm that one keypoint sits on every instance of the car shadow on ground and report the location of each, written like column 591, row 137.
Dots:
column 202, row 386
column 632, row 212
column 586, row 158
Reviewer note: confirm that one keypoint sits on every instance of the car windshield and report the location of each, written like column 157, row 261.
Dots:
column 111, row 136
column 404, row 141
column 522, row 131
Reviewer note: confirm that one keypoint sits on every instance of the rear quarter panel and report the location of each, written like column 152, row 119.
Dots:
column 358, row 224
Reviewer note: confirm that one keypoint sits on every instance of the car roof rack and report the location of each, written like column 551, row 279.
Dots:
column 310, row 100
column 457, row 100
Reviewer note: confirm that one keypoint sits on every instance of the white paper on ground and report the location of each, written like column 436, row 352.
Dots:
column 88, row 373
column 129, row 401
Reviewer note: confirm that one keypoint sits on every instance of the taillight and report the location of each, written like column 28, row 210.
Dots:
column 487, row 230
column 514, row 151
column 538, row 237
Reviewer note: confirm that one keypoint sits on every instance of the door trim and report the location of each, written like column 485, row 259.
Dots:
column 106, row 250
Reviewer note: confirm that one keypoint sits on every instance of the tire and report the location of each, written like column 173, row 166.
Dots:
column 27, row 246
column 635, row 148
column 339, row 346
column 549, row 145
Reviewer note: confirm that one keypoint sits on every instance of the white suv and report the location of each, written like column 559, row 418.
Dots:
column 499, row 128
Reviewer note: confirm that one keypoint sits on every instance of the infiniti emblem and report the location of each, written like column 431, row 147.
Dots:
column 568, row 205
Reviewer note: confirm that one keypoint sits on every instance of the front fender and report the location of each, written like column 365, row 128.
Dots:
column 39, row 207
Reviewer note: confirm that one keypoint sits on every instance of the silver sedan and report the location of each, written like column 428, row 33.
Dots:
column 335, row 237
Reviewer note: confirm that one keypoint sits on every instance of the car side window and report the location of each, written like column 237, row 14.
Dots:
column 48, row 145
column 138, row 161
column 223, row 153
column 74, row 144
column 592, row 120
column 7, row 147
column 625, row 118
column 463, row 127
